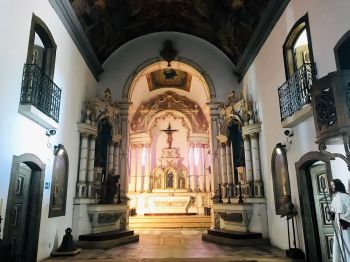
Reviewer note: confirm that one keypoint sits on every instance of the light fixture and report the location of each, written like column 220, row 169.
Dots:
column 168, row 53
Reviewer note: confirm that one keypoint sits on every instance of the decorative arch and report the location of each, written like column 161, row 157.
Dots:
column 307, row 206
column 175, row 114
column 169, row 102
column 185, row 64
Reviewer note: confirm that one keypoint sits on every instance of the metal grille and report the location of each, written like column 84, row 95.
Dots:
column 40, row 91
column 296, row 92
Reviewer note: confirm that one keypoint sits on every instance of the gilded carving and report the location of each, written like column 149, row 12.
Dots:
column 102, row 108
column 170, row 101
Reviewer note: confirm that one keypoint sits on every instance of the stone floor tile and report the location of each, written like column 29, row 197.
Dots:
column 177, row 246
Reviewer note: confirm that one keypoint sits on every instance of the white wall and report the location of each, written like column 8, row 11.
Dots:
column 19, row 134
column 328, row 20
column 126, row 60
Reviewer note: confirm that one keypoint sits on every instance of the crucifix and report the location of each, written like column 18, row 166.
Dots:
column 169, row 132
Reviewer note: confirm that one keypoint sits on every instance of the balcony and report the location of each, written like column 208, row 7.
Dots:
column 40, row 97
column 295, row 96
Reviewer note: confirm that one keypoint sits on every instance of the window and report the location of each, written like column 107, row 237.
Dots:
column 294, row 94
column 40, row 96
column 42, row 47
column 342, row 52
column 297, row 47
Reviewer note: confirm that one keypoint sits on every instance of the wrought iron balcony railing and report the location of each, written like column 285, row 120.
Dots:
column 296, row 92
column 40, row 91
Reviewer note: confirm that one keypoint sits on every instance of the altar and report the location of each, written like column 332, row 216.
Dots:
column 169, row 204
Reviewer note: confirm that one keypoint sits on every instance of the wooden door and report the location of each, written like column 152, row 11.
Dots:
column 20, row 212
column 322, row 202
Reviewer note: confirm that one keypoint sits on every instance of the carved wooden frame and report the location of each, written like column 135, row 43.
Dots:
column 280, row 176
column 59, row 182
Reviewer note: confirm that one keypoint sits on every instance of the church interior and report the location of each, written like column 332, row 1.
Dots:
column 228, row 118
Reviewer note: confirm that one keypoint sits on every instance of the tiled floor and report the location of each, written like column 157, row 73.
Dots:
column 177, row 246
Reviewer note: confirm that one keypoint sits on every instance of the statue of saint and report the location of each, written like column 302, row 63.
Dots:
column 169, row 180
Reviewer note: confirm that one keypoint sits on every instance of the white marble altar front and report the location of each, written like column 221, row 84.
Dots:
column 105, row 218
column 234, row 217
column 166, row 202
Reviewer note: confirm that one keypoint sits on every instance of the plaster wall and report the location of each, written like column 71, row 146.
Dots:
column 128, row 60
column 328, row 23
column 21, row 135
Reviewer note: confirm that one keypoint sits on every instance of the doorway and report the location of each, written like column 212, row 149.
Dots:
column 313, row 175
column 23, row 208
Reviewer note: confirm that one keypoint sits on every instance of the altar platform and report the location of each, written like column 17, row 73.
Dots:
column 163, row 221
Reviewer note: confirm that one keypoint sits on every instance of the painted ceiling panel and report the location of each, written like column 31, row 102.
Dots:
column 227, row 24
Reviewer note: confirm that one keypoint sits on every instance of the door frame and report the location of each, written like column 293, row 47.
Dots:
column 308, row 214
column 36, row 193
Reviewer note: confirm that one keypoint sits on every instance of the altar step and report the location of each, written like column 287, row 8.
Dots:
column 169, row 221
column 107, row 239
column 235, row 238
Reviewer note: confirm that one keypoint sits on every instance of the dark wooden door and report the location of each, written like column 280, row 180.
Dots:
column 322, row 202
column 20, row 212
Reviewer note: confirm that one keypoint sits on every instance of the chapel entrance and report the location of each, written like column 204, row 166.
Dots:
column 169, row 141
column 21, row 229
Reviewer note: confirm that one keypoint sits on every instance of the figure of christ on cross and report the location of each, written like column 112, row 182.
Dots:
column 169, row 132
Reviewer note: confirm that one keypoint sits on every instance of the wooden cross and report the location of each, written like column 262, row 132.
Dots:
column 169, row 132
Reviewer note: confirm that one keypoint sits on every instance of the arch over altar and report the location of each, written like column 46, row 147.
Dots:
column 169, row 155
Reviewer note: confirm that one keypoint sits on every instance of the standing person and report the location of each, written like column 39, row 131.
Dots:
column 340, row 206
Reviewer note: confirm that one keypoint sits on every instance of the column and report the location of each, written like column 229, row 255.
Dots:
column 139, row 174
column 258, row 189
column 248, row 160
column 248, row 166
column 207, row 169
column 146, row 184
column 234, row 179
column 214, row 149
column 116, row 159
column 133, row 155
column 83, row 165
column 229, row 163
column 91, row 167
column 201, row 168
column 124, row 148
column 191, row 178
column 110, row 157
column 223, row 168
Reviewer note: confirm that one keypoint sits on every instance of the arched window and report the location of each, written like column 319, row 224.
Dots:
column 342, row 52
column 297, row 48
column 294, row 94
column 42, row 47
